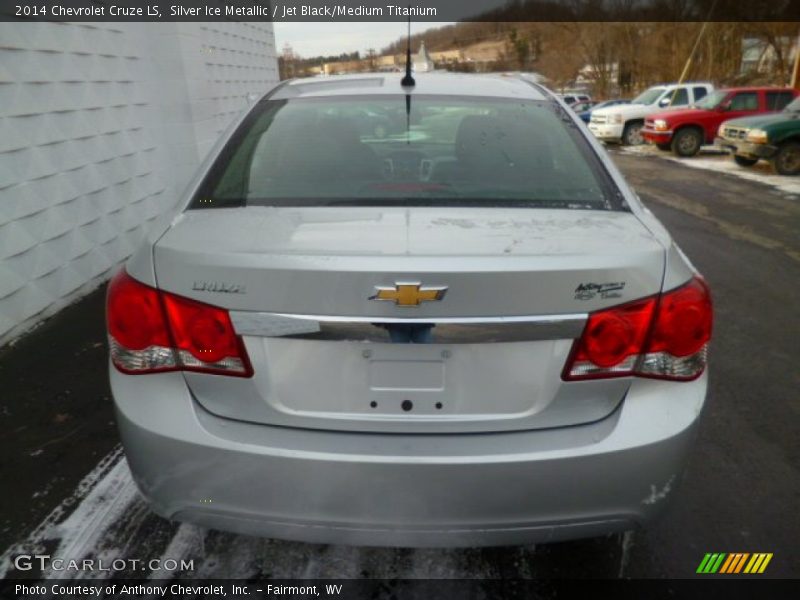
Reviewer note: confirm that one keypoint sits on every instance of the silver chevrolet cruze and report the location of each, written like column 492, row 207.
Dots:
column 409, row 316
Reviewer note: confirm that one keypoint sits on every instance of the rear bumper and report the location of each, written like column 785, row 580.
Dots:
column 746, row 149
column 657, row 137
column 406, row 490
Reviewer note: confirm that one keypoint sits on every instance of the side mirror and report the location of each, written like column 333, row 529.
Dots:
column 724, row 106
column 664, row 102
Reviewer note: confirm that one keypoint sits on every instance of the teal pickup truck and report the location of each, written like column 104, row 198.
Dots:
column 774, row 137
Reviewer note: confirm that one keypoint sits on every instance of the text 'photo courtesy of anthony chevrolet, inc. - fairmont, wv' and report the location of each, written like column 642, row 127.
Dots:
column 362, row 300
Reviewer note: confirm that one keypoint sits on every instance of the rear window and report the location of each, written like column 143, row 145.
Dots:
column 778, row 100
column 699, row 93
column 416, row 150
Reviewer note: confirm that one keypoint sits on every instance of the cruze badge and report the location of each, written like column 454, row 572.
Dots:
column 409, row 294
column 218, row 287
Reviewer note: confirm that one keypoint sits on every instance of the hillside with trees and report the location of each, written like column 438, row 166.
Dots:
column 623, row 57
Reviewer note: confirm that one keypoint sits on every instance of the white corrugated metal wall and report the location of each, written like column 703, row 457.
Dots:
column 100, row 127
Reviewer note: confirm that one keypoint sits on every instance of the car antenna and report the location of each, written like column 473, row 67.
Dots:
column 408, row 80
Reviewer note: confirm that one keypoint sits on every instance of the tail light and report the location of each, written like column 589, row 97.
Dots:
column 677, row 347
column 663, row 337
column 150, row 331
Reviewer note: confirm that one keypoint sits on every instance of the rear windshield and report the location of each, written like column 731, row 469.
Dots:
column 402, row 150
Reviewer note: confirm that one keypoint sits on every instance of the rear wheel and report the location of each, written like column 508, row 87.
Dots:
column 787, row 160
column 687, row 142
column 632, row 135
column 665, row 147
column 743, row 161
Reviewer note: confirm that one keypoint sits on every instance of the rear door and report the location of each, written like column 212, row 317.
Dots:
column 743, row 104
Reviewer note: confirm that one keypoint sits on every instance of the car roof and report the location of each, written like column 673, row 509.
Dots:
column 497, row 85
column 756, row 88
column 685, row 83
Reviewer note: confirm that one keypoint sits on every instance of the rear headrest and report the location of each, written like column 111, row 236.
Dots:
column 486, row 142
column 329, row 149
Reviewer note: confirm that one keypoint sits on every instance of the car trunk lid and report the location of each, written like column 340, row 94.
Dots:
column 303, row 283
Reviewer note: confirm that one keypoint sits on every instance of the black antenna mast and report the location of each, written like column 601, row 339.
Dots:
column 408, row 80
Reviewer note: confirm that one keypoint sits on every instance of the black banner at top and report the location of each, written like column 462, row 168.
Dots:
column 390, row 10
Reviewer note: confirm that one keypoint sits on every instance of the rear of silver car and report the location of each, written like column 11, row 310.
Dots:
column 427, row 363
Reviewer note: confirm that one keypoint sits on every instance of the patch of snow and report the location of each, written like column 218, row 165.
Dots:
column 658, row 495
column 627, row 544
column 187, row 539
column 79, row 534
column 35, row 542
column 710, row 159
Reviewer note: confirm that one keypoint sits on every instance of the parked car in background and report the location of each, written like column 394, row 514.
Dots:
column 580, row 107
column 623, row 123
column 586, row 114
column 472, row 335
column 685, row 131
column 774, row 137
column 571, row 99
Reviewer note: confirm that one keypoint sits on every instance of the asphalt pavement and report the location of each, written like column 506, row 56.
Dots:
column 67, row 489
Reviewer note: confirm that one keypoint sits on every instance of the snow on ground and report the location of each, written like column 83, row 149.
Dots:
column 105, row 518
column 712, row 159
column 75, row 527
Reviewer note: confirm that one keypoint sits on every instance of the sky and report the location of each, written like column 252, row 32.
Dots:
column 325, row 39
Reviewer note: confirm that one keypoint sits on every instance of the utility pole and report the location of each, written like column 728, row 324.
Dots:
column 796, row 71
column 689, row 60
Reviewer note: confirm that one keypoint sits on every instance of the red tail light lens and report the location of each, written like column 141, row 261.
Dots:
column 135, row 316
column 137, row 330
column 684, row 320
column 612, row 341
column 204, row 337
column 152, row 331
column 664, row 337
column 678, row 344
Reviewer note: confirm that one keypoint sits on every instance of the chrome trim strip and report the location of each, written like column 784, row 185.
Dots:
column 445, row 330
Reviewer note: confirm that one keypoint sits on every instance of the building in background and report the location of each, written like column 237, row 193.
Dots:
column 761, row 57
column 101, row 126
column 421, row 61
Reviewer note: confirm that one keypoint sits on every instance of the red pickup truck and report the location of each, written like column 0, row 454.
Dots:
column 684, row 131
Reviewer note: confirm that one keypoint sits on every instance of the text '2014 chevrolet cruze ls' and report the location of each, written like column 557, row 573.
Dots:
column 428, row 316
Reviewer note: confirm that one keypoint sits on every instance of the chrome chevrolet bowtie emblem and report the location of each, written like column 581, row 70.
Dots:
column 409, row 294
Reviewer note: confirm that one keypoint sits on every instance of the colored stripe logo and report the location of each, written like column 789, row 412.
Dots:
column 734, row 563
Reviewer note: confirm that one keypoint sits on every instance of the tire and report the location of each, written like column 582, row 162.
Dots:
column 664, row 147
column 743, row 161
column 687, row 142
column 632, row 134
column 787, row 160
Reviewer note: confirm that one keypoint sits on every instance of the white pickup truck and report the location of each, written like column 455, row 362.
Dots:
column 624, row 122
